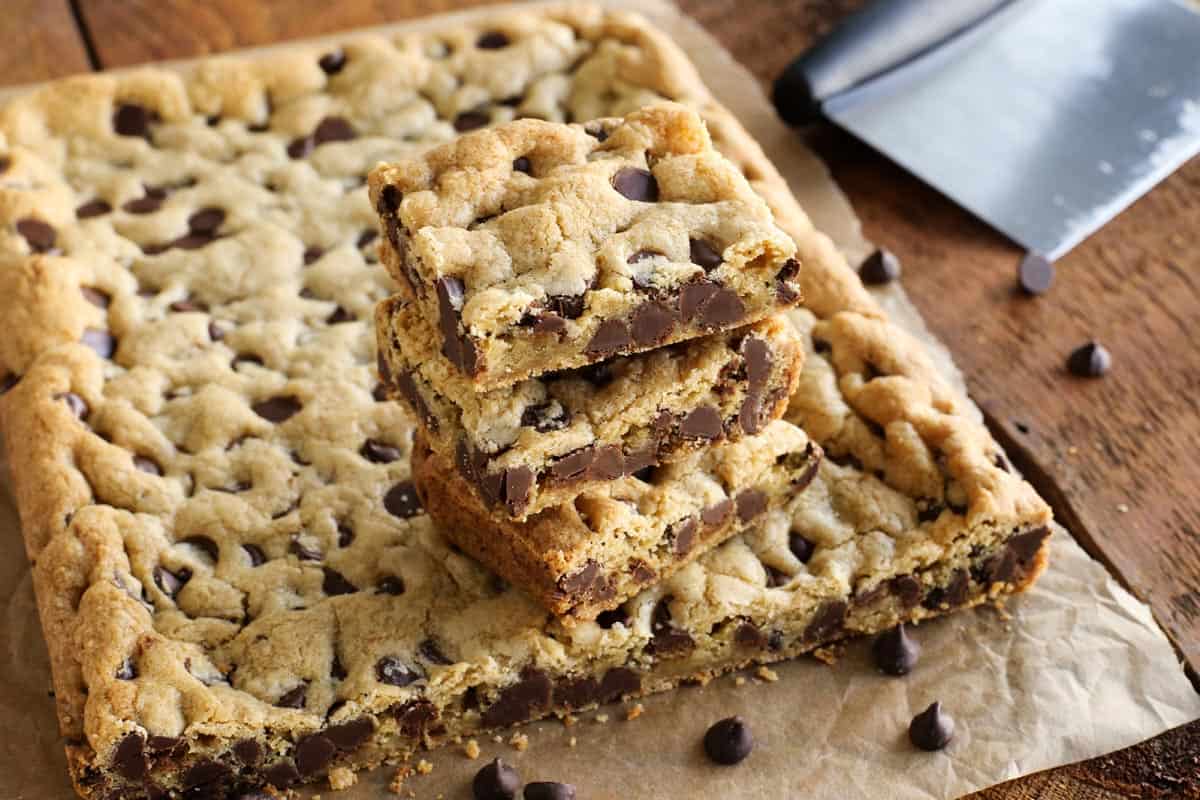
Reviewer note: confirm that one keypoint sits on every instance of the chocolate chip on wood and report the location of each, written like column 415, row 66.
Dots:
column 1091, row 360
column 536, row 247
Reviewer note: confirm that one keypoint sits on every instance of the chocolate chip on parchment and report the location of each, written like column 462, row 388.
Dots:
column 932, row 729
column 394, row 672
column 879, row 268
column 492, row 40
column 896, row 652
column 402, row 501
column 131, row 119
column 636, row 184
column 701, row 423
column 1035, row 274
column 1090, row 360
column 471, row 120
column 549, row 790
column 704, row 255
column 378, row 452
column 611, row 337
column 293, row 698
column 332, row 63
column 335, row 583
column 40, row 235
column 278, row 409
column 496, row 781
column 728, row 741
column 92, row 208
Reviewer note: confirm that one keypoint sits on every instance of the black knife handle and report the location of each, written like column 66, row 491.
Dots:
column 883, row 35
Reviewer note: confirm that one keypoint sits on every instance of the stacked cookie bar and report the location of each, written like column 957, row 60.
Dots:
column 587, row 322
column 237, row 581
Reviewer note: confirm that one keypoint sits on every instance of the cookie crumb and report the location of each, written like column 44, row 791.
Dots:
column 424, row 767
column 396, row 786
column 471, row 749
column 635, row 712
column 569, row 720
column 739, row 680
column 828, row 655
column 571, row 742
column 1121, row 507
column 341, row 778
column 519, row 741
column 765, row 673
column 602, row 718
column 498, row 739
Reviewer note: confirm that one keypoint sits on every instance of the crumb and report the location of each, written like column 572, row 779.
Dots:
column 424, row 767
column 397, row 784
column 571, row 742
column 569, row 720
column 740, row 680
column 519, row 741
column 602, row 718
column 765, row 673
column 341, row 778
column 1073, row 450
column 1000, row 608
column 636, row 711
column 1124, row 509
column 471, row 749
column 498, row 739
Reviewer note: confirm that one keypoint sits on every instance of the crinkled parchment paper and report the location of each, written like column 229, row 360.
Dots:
column 1078, row 670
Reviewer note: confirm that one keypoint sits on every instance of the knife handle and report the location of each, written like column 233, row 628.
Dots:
column 871, row 41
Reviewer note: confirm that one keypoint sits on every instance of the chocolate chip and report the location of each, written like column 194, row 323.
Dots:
column 757, row 354
column 39, row 235
column 394, row 672
column 5, row 163
column 335, row 583
column 129, row 758
column 597, row 130
column 879, row 268
column 206, row 220
column 248, row 751
column 338, row 673
column 339, row 316
column 1090, row 361
column 333, row 129
column 312, row 253
column 523, row 700
column 523, row 164
column 470, row 120
column 682, row 535
column 278, row 409
column 300, row 148
column 896, row 653
column 785, row 287
column 573, row 465
column 549, row 790
column 636, row 184
column 606, row 619
column 518, row 481
column 303, row 551
column 728, row 741
column 147, row 465
column 415, row 717
column 582, row 580
column 389, row 200
column 702, row 423
column 77, row 404
column 281, row 774
column 9, row 381
column 366, row 237
column 666, row 640
column 750, row 413
column 801, row 548
column 750, row 635
column 455, row 346
column 567, row 306
column 148, row 203
column 402, row 501
column 205, row 773
column 378, row 452
column 546, row 417
column 190, row 304
column 131, row 119
column 390, row 584
column 724, row 308
column 693, row 297
column 215, row 332
column 294, row 698
column 750, row 503
column 205, row 545
column 642, row 255
column 92, row 208
column 433, row 654
column 496, row 781
column 652, row 323
column 932, row 729
column 99, row 340
column 492, row 40
column 1035, row 274
column 598, row 375
column 704, row 255
column 256, row 555
column 611, row 337
column 826, row 622
column 313, row 754
column 127, row 671
column 349, row 735
column 168, row 582
column 332, row 63
column 717, row 514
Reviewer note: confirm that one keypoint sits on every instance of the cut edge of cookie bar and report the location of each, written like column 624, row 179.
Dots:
column 590, row 555
column 533, row 251
column 665, row 404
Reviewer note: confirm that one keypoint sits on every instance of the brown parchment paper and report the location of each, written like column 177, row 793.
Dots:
column 1078, row 670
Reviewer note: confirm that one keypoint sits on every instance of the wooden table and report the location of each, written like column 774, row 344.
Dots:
column 1118, row 458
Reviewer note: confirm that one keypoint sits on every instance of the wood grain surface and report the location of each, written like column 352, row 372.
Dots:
column 1118, row 457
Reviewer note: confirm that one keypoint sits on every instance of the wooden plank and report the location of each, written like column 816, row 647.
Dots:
column 41, row 40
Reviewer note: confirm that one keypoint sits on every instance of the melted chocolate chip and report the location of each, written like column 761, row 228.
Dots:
column 471, row 120
column 636, row 184
column 667, row 641
column 826, row 622
column 40, row 235
column 300, row 148
column 496, row 781
column 652, row 323
column 248, row 751
column 9, row 381
column 801, row 548
column 584, row 580
column 896, row 653
column 717, row 514
column 93, row 208
column 750, row 635
column 702, row 423
column 129, row 758
column 750, row 503
column 611, row 337
column 390, row 584
column 281, row 774
column 313, row 754
column 402, row 501
column 312, row 253
column 351, row 734
column 523, row 164
column 728, row 741
column 394, row 672
column 704, row 255
column 278, row 409
column 567, row 306
column 378, row 452
column 457, row 347
column 256, row 554
column 148, row 203
column 131, row 119
column 333, row 129
column 294, row 698
column 682, row 536
column 492, row 40
column 932, row 729
column 206, row 220
column 546, row 417
column 693, row 297
column 332, row 63
column 389, row 200
column 523, row 700
column 206, row 773
column 335, row 583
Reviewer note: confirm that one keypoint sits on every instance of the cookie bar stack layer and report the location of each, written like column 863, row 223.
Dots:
column 236, row 579
column 582, row 306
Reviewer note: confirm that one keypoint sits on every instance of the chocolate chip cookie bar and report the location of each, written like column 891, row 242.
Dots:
column 236, row 580
column 536, row 247
column 588, row 556
column 539, row 443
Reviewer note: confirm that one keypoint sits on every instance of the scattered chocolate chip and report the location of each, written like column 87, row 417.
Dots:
column 549, row 790
column 611, row 337
column 523, row 164
column 801, row 548
column 496, row 781
column 636, row 184
column 402, row 501
column 1035, row 274
column 256, row 555
column 131, row 119
column 40, row 235
column 278, row 409
column 205, row 545
column 652, row 323
column 879, row 268
column 147, row 465
column 1090, row 361
column 332, row 63
column 528, row 697
column 379, row 452
column 750, row 503
column 492, row 40
column 394, row 672
column 313, row 754
column 702, row 423
column 546, row 417
column 704, row 255
column 728, row 741
column 390, row 584
column 335, row 583
column 127, row 671
column 470, row 120
column 896, row 653
column 168, row 582
column 92, row 208
column 99, row 340
column 77, row 404
column 932, row 729
column 294, row 698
